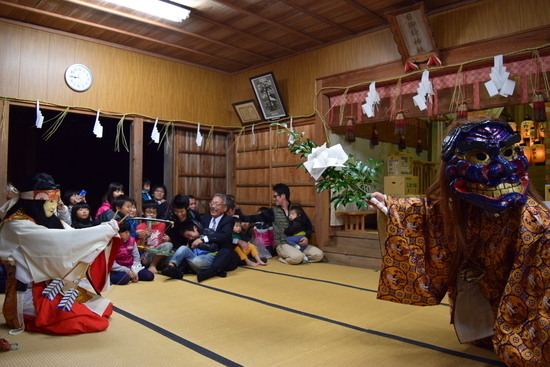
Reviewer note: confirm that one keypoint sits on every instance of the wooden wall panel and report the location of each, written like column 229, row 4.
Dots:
column 10, row 40
column 33, row 63
column 252, row 177
column 259, row 167
column 487, row 19
column 201, row 171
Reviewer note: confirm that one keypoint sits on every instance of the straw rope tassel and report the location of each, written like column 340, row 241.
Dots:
column 49, row 133
column 236, row 138
column 3, row 134
column 458, row 92
column 209, row 138
column 120, row 135
column 166, row 130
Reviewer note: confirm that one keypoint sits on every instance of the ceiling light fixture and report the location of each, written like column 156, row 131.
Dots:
column 160, row 8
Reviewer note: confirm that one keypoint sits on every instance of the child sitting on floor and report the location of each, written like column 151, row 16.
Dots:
column 297, row 228
column 245, row 249
column 153, row 241
column 199, row 255
column 263, row 236
column 127, row 266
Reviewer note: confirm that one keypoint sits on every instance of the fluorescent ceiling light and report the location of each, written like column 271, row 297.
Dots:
column 157, row 8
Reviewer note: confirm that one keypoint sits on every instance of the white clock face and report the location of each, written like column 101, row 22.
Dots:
column 78, row 77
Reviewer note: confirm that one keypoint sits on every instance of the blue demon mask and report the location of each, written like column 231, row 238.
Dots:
column 486, row 167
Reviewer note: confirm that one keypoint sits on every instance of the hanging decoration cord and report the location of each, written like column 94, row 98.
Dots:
column 49, row 133
column 120, row 135
column 3, row 134
column 316, row 112
column 166, row 130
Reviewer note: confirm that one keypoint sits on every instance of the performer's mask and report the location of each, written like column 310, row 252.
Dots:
column 486, row 166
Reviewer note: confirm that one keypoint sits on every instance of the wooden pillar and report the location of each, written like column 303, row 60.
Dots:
column 230, row 162
column 322, row 200
column 136, row 161
column 169, row 178
column 4, row 138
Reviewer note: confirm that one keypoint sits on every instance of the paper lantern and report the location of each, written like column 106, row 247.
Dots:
column 537, row 153
column 513, row 125
column 526, row 127
column 527, row 152
column 541, row 129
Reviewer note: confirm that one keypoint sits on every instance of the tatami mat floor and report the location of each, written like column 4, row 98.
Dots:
column 278, row 315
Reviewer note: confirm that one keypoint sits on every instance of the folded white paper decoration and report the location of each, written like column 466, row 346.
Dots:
column 322, row 157
column 499, row 83
column 155, row 135
column 39, row 116
column 253, row 138
column 199, row 135
column 424, row 92
column 372, row 101
column 98, row 128
column 290, row 137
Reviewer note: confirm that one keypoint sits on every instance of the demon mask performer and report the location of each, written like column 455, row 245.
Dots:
column 46, row 259
column 482, row 237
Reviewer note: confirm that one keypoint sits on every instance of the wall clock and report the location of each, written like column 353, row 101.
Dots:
column 78, row 77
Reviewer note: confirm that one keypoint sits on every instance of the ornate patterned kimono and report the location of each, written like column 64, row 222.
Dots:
column 35, row 255
column 509, row 254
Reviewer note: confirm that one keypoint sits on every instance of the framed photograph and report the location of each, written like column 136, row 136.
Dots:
column 268, row 96
column 247, row 111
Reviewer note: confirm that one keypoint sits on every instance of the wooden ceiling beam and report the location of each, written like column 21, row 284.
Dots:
column 317, row 16
column 268, row 21
column 196, row 15
column 164, row 26
column 368, row 11
column 450, row 6
column 95, row 25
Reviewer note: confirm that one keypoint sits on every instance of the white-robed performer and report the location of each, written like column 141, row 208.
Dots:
column 46, row 259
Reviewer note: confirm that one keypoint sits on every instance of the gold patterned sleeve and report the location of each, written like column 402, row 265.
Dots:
column 522, row 324
column 416, row 260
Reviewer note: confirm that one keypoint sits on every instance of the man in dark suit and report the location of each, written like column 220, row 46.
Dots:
column 222, row 224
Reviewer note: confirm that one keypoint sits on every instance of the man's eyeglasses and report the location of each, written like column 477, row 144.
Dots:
column 276, row 196
column 213, row 203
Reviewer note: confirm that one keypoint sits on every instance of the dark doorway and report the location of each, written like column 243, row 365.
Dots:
column 73, row 155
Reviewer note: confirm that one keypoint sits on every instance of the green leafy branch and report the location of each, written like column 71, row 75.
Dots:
column 352, row 183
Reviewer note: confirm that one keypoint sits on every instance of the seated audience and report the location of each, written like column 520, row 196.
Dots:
column 159, row 196
column 244, row 248
column 226, row 259
column 127, row 266
column 122, row 205
column 114, row 190
column 145, row 190
column 81, row 215
column 278, row 214
column 200, row 253
column 153, row 242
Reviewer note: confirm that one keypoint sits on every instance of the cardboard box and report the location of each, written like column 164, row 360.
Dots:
column 400, row 164
column 400, row 186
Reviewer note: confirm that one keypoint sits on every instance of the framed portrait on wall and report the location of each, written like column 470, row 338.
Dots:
column 268, row 96
column 247, row 111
